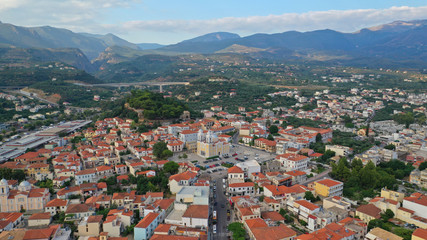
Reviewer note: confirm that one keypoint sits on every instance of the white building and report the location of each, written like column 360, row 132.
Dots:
column 197, row 195
column 249, row 167
column 241, row 189
column 291, row 161
column 87, row 175
column 235, row 175
column 196, row 216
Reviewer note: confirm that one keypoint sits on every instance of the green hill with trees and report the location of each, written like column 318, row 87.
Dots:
column 155, row 106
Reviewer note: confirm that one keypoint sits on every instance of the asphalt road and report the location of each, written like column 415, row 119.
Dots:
column 221, row 212
column 318, row 176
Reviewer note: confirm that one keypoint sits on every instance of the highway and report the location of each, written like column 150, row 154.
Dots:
column 131, row 84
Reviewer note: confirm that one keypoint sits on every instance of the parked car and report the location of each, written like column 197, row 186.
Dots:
column 234, row 154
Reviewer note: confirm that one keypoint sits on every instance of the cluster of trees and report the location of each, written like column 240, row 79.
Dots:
column 238, row 230
column 273, row 129
column 348, row 122
column 348, row 140
column 158, row 183
column 76, row 95
column 21, row 76
column 384, row 223
column 422, row 166
column 9, row 174
column 155, row 106
column 48, row 183
column 248, row 95
column 404, row 118
column 161, row 151
column 117, row 109
column 361, row 181
column 288, row 216
column 144, row 68
column 297, row 122
column 309, row 196
column 112, row 185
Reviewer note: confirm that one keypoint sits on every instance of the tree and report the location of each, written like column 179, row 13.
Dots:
column 270, row 137
column 390, row 146
column 341, row 171
column 388, row 214
column 158, row 149
column 273, row 129
column 422, row 166
column 404, row 118
column 167, row 153
column 356, row 164
column 368, row 175
column 318, row 138
column 309, row 196
column 238, row 230
column 282, row 212
column 374, row 223
column 171, row 167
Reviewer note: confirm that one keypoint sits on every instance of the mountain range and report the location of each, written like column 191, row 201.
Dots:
column 399, row 40
column 400, row 43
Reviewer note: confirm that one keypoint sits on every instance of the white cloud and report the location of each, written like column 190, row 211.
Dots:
column 346, row 20
column 77, row 15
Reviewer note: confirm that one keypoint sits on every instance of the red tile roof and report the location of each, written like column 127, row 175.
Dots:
column 421, row 233
column 235, row 169
column 197, row 211
column 274, row 233
column 56, row 203
column 37, row 216
column 329, row 182
column 183, row 176
column 307, row 204
column 370, row 210
column 147, row 220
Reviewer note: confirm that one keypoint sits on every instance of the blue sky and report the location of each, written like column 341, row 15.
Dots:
column 171, row 21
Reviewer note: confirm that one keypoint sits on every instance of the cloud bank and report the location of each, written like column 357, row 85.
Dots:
column 345, row 20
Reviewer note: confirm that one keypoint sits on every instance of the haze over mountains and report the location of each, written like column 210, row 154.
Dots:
column 397, row 43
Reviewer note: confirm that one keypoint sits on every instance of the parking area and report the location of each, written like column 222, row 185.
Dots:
column 238, row 153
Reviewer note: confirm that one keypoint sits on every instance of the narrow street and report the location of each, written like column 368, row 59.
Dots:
column 221, row 210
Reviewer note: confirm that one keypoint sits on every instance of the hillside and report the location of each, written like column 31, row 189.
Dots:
column 50, row 37
column 143, row 68
column 31, row 56
column 116, row 54
column 25, row 76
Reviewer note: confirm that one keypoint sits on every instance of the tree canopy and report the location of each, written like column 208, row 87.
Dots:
column 155, row 106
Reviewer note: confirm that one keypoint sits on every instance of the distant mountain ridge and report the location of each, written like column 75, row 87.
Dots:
column 399, row 40
column 213, row 37
column 49, row 37
column 148, row 46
